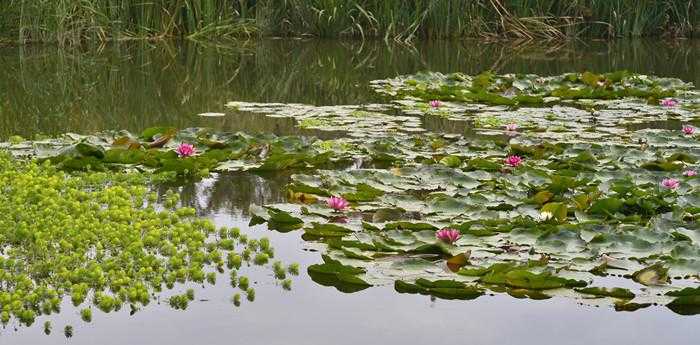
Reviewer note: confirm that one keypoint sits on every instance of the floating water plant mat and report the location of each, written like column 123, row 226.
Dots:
column 565, row 190
column 553, row 193
column 103, row 241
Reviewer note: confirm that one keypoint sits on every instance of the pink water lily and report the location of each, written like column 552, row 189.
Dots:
column 435, row 103
column 690, row 173
column 185, row 150
column 688, row 130
column 512, row 127
column 670, row 183
column 337, row 203
column 513, row 160
column 669, row 102
column 448, row 235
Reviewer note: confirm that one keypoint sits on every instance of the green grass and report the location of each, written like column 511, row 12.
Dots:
column 75, row 21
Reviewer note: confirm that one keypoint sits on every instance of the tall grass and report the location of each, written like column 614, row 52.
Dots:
column 74, row 21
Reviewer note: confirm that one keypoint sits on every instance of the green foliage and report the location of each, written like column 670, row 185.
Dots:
column 445, row 289
column 92, row 234
column 69, row 22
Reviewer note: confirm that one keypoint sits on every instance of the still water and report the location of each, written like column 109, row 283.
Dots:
column 45, row 89
column 133, row 86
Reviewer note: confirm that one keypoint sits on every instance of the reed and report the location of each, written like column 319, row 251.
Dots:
column 76, row 21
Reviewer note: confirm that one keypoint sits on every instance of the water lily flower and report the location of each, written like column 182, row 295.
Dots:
column 545, row 216
column 513, row 160
column 185, row 150
column 669, row 102
column 512, row 127
column 670, row 183
column 690, row 173
column 435, row 103
column 688, row 130
column 448, row 235
column 337, row 203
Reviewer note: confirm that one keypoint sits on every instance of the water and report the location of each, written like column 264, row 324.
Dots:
column 46, row 89
column 134, row 86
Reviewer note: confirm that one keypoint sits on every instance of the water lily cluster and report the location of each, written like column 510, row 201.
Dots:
column 545, row 195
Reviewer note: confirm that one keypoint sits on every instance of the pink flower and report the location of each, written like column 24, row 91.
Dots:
column 512, row 127
column 514, row 161
column 435, row 103
column 690, row 173
column 670, row 183
column 669, row 102
column 448, row 235
column 688, row 130
column 337, row 203
column 185, row 150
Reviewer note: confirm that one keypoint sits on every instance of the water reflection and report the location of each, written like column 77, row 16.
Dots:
column 230, row 193
column 136, row 85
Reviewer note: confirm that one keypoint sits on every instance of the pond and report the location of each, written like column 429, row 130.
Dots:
column 134, row 86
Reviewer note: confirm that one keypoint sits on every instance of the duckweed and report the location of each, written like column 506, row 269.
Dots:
column 293, row 269
column 236, row 299
column 261, row 258
column 278, row 269
column 211, row 278
column 233, row 278
column 233, row 260
column 101, row 239
column 243, row 283
column 86, row 314
column 250, row 294
column 179, row 301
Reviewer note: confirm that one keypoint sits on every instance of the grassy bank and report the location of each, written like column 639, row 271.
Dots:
column 71, row 21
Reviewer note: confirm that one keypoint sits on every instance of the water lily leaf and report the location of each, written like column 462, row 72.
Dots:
column 662, row 165
column 526, row 293
column 126, row 142
column 607, row 292
column 445, row 289
column 606, row 206
column 543, row 281
column 542, row 197
column 685, row 305
column 153, row 133
column 342, row 277
column 327, row 230
column 630, row 306
column 364, row 192
column 652, row 275
column 483, row 164
column 451, row 161
column 387, row 214
column 555, row 210
column 458, row 261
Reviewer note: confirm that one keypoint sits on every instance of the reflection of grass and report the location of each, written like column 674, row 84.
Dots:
column 137, row 85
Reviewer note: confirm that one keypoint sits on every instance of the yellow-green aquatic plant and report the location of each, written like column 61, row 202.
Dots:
column 99, row 239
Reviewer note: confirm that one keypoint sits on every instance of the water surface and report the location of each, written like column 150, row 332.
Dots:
column 133, row 86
